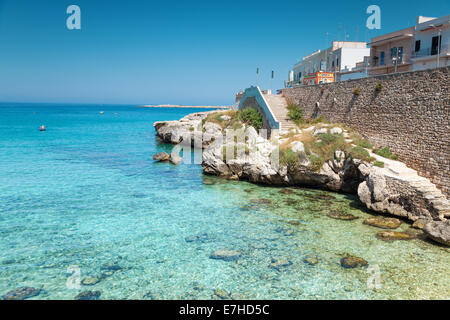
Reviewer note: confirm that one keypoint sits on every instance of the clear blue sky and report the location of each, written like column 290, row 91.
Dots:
column 185, row 52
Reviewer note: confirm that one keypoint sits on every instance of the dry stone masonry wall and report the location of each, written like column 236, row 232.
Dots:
column 408, row 112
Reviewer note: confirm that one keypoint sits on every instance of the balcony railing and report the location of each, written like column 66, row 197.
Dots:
column 445, row 49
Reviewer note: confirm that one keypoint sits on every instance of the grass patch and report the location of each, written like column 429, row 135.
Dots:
column 216, row 117
column 360, row 141
column 379, row 164
column 288, row 157
column 360, row 153
column 316, row 162
column 386, row 153
column 320, row 152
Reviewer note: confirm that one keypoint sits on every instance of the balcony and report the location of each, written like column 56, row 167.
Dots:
column 427, row 52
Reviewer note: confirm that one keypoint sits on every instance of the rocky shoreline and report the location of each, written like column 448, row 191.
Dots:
column 392, row 189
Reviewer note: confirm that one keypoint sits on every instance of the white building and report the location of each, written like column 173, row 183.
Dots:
column 432, row 43
column 342, row 55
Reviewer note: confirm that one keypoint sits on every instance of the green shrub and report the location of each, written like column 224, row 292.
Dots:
column 236, row 125
column 322, row 151
column 379, row 164
column 365, row 144
column 386, row 153
column 316, row 162
column 288, row 157
column 360, row 153
column 357, row 91
column 251, row 117
column 378, row 87
column 295, row 113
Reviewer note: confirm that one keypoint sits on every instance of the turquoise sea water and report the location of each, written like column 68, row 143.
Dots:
column 86, row 193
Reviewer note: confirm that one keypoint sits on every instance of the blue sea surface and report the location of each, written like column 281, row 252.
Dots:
column 86, row 195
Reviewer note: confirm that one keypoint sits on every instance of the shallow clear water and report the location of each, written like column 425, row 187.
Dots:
column 87, row 193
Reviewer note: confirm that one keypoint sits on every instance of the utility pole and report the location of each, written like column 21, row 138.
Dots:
column 439, row 47
column 271, row 81
column 257, row 72
column 326, row 54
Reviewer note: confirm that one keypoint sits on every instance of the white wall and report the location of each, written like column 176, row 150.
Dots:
column 350, row 57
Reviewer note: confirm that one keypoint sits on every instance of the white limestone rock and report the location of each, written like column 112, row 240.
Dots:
column 438, row 231
column 320, row 131
column 336, row 130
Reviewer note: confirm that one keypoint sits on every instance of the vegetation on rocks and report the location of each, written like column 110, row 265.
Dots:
column 295, row 113
column 360, row 153
column 385, row 153
column 251, row 117
column 288, row 157
column 379, row 164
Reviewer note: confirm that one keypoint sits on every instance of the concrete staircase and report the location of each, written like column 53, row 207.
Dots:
column 278, row 106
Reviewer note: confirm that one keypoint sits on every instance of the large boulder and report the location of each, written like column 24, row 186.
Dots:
column 438, row 231
column 21, row 293
column 175, row 158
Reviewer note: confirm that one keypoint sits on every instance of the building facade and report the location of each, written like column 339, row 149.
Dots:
column 392, row 52
column 432, row 43
column 324, row 66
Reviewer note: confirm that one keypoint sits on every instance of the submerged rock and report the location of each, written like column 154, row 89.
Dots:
column 221, row 294
column 438, row 231
column 162, row 156
column 311, row 260
column 279, row 263
column 90, row 281
column 420, row 223
column 88, row 295
column 341, row 216
column 286, row 191
column 226, row 255
column 261, row 201
column 112, row 266
column 394, row 235
column 384, row 223
column 21, row 293
column 197, row 238
column 353, row 262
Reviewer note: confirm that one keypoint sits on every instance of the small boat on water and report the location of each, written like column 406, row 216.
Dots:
column 42, row 128
column 102, row 112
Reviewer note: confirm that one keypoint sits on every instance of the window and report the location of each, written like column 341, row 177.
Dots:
column 435, row 45
column 417, row 49
column 393, row 52
column 382, row 59
column 400, row 53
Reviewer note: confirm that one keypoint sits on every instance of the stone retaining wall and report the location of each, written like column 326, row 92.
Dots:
column 410, row 115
